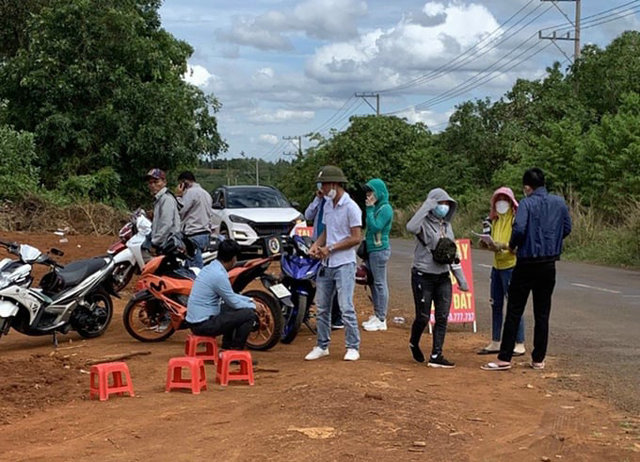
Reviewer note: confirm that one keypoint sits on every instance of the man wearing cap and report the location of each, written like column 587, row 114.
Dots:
column 166, row 220
column 336, row 247
column 195, row 215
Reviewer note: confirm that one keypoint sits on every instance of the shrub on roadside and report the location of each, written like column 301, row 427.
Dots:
column 18, row 175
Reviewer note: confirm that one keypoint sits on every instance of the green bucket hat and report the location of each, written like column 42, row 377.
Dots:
column 331, row 174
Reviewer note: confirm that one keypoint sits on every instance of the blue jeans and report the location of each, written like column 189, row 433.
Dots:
column 200, row 242
column 500, row 280
column 343, row 280
column 377, row 263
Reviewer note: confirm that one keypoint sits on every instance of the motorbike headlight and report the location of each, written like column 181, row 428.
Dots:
column 239, row 219
column 4, row 281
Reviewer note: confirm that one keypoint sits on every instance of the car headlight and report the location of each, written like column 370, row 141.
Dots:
column 299, row 219
column 238, row 219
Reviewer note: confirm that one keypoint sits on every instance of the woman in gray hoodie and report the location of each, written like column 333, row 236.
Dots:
column 430, row 280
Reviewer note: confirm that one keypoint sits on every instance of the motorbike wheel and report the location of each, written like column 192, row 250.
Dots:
column 147, row 321
column 293, row 319
column 270, row 319
column 121, row 276
column 101, row 312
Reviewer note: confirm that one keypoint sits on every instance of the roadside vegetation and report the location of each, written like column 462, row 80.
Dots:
column 92, row 95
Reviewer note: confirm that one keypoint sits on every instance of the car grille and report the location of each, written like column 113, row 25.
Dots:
column 270, row 229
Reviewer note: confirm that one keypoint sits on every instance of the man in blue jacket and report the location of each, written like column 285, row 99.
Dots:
column 542, row 222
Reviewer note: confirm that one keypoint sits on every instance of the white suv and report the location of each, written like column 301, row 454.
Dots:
column 248, row 213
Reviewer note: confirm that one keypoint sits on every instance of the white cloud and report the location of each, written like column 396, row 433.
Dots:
column 267, row 116
column 268, row 138
column 435, row 121
column 408, row 46
column 433, row 8
column 329, row 19
column 262, row 32
column 197, row 75
column 323, row 19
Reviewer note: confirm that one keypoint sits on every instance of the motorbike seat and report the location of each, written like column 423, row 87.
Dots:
column 76, row 272
column 182, row 273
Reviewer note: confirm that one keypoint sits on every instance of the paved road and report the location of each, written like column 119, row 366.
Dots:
column 595, row 319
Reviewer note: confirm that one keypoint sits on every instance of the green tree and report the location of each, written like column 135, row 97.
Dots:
column 18, row 176
column 602, row 77
column 389, row 148
column 608, row 160
column 100, row 85
column 14, row 16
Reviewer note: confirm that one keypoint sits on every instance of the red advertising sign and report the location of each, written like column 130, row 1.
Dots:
column 463, row 304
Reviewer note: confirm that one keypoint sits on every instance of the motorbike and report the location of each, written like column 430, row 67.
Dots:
column 75, row 296
column 299, row 271
column 159, row 306
column 298, row 276
column 127, row 252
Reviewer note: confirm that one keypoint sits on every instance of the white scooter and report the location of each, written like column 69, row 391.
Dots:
column 127, row 252
column 75, row 296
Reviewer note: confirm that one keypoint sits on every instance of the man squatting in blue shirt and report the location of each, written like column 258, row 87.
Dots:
column 214, row 308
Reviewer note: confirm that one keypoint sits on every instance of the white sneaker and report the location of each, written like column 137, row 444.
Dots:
column 375, row 324
column 519, row 350
column 317, row 353
column 369, row 321
column 351, row 355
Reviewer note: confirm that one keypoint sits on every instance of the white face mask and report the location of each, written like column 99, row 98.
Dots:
column 502, row 207
column 331, row 195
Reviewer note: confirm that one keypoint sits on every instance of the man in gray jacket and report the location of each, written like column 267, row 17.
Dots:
column 195, row 215
column 430, row 280
column 166, row 220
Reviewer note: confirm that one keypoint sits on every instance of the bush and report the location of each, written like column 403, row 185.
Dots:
column 18, row 176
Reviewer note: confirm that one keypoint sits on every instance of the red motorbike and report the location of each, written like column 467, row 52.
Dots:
column 159, row 306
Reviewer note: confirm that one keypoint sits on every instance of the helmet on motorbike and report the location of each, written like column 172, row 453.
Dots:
column 363, row 275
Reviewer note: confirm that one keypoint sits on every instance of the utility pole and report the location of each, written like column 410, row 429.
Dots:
column 299, row 138
column 576, row 32
column 365, row 95
column 257, row 173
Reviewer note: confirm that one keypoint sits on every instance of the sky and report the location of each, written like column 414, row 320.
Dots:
column 288, row 68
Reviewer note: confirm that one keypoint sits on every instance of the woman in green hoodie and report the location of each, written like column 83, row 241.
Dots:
column 378, row 227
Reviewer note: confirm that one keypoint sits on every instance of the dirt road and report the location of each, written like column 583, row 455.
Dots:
column 383, row 407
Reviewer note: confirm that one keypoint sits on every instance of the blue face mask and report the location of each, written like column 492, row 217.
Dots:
column 441, row 210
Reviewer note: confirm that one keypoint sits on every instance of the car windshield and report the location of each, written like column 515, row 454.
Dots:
column 255, row 198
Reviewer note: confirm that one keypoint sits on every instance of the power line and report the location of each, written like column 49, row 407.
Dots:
column 480, row 79
column 481, row 51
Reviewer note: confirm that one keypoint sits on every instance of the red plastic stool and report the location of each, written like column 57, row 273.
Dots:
column 198, row 379
column 101, row 373
column 211, row 347
column 224, row 375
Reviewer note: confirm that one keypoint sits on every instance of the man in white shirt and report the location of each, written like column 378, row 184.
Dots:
column 336, row 247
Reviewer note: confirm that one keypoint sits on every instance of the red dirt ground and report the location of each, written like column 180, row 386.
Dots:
column 383, row 407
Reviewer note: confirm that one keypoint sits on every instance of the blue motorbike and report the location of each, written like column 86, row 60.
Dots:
column 299, row 272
